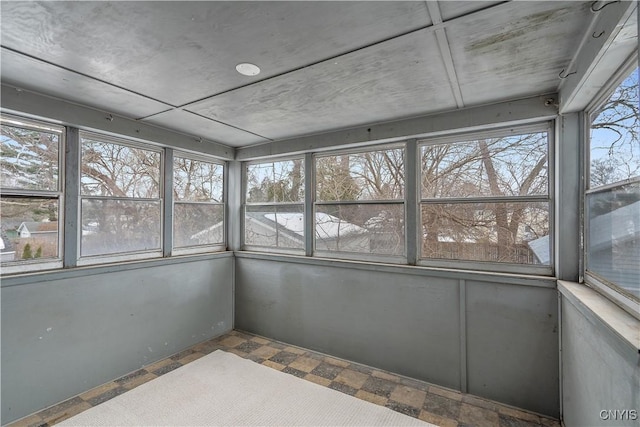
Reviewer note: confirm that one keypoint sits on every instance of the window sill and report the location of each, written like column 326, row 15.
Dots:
column 48, row 275
column 481, row 276
column 596, row 308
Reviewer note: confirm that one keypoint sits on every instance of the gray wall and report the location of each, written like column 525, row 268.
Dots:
column 66, row 332
column 492, row 336
column 599, row 371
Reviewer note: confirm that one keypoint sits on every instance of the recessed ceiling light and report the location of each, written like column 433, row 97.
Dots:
column 248, row 69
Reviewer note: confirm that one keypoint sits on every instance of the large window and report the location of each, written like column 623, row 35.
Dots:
column 360, row 202
column 274, row 208
column 31, row 200
column 485, row 199
column 612, row 211
column 198, row 208
column 120, row 190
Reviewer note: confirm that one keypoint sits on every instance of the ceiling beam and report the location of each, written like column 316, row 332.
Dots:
column 34, row 105
column 445, row 51
column 599, row 55
column 509, row 113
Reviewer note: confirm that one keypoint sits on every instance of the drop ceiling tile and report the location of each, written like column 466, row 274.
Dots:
column 31, row 74
column 516, row 50
column 399, row 78
column 178, row 52
column 192, row 124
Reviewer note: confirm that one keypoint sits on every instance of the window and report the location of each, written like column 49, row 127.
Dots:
column 612, row 211
column 360, row 202
column 274, row 208
column 120, row 190
column 31, row 201
column 198, row 207
column 486, row 198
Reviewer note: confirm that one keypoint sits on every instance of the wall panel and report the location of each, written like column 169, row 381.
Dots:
column 495, row 340
column 64, row 336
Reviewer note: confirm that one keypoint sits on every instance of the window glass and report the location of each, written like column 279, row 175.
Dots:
column 30, row 158
column 615, row 146
column 501, row 211
column 114, row 170
column 30, row 205
column 120, row 225
column 274, row 209
column 349, row 215
column 364, row 228
column 374, row 175
column 493, row 232
column 198, row 209
column 121, row 209
column 275, row 226
column 613, row 251
column 197, row 181
column 507, row 166
column 276, row 182
column 612, row 211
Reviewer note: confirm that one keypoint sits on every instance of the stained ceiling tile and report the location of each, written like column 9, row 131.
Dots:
column 517, row 49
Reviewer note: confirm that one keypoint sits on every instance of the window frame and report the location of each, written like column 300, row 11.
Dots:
column 245, row 204
column 361, row 256
column 210, row 247
column 19, row 266
column 120, row 256
column 547, row 126
column 613, row 292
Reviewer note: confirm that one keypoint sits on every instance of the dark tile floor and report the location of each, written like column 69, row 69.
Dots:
column 415, row 398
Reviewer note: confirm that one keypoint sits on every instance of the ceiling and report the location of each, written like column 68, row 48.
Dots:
column 325, row 65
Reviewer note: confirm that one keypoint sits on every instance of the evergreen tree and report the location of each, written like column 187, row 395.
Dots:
column 26, row 252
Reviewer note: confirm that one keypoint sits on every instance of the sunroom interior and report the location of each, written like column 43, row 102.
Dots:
column 445, row 190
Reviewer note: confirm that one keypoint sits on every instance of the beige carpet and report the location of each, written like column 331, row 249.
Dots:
column 224, row 389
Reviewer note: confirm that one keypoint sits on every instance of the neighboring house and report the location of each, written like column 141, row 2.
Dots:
column 541, row 249
column 37, row 229
column 287, row 230
column 7, row 252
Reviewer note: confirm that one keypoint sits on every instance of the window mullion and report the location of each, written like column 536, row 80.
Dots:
column 71, row 192
column 411, row 190
column 309, row 197
column 167, row 224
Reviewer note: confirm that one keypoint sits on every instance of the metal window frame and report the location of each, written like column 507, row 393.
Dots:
column 244, row 205
column 21, row 266
column 613, row 292
column 353, row 255
column 132, row 255
column 546, row 126
column 209, row 247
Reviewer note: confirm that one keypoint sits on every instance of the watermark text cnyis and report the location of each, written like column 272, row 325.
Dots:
column 619, row 414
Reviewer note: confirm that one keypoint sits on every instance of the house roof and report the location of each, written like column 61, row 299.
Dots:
column 328, row 226
column 39, row 227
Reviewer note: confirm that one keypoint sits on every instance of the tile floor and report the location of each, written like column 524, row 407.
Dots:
column 415, row 398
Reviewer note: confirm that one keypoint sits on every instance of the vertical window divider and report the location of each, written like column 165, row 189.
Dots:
column 309, row 196
column 71, row 197
column 235, row 198
column 167, row 234
column 411, row 194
